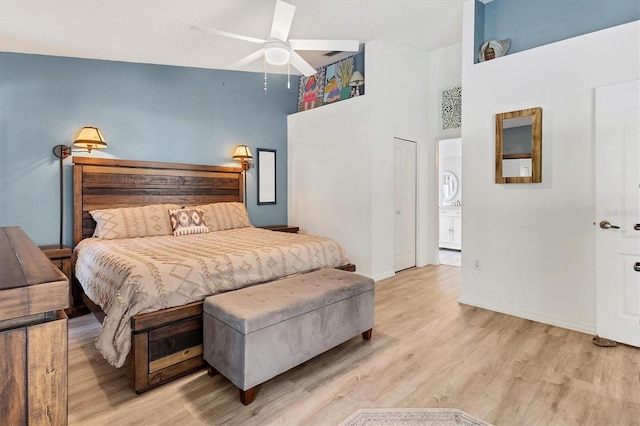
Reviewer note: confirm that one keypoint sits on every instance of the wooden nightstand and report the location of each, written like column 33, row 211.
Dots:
column 282, row 228
column 60, row 256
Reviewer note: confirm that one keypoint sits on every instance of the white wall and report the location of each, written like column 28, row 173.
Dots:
column 445, row 71
column 341, row 158
column 398, row 84
column 536, row 241
column 329, row 183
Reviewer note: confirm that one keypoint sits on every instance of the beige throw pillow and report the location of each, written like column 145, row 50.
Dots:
column 132, row 222
column 221, row 216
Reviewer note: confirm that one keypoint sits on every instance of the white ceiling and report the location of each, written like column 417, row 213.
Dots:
column 158, row 31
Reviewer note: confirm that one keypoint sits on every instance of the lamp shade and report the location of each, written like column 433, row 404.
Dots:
column 356, row 79
column 242, row 153
column 89, row 138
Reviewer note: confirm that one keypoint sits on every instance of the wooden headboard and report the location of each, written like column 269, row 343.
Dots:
column 101, row 183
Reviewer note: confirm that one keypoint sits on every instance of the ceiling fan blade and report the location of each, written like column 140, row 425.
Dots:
column 301, row 65
column 330, row 45
column 248, row 59
column 282, row 19
column 227, row 34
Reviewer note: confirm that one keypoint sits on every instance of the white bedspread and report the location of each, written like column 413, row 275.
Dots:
column 126, row 277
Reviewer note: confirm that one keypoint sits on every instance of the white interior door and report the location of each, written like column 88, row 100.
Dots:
column 405, row 204
column 618, row 212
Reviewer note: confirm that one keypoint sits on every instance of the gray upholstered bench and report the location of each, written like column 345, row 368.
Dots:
column 253, row 334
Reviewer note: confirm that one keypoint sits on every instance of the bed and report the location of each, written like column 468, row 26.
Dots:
column 163, row 338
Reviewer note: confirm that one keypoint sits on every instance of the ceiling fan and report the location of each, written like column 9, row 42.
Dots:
column 277, row 50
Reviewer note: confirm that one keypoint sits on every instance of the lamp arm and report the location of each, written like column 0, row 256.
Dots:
column 61, row 198
column 62, row 152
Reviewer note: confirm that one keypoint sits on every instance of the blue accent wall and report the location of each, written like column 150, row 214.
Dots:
column 478, row 29
column 531, row 24
column 145, row 112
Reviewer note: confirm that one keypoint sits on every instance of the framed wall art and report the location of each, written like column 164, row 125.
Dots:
column 450, row 108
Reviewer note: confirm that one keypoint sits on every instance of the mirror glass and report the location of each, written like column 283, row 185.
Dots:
column 519, row 146
column 449, row 186
column 266, row 176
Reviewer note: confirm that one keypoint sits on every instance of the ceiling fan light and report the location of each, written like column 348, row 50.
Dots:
column 277, row 53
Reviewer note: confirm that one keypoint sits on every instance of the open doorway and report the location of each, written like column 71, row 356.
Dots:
column 450, row 201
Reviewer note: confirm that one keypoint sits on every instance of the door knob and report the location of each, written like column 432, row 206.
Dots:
column 636, row 267
column 606, row 225
column 636, row 226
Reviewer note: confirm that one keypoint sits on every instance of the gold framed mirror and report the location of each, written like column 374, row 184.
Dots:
column 519, row 146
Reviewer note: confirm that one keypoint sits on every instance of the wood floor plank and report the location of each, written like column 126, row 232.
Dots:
column 427, row 351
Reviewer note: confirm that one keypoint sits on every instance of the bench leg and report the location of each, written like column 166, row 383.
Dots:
column 247, row 396
column 210, row 370
column 367, row 334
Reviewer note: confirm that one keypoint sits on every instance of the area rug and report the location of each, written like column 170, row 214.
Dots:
column 411, row 417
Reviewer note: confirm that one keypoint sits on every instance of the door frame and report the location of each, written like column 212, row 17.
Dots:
column 436, row 240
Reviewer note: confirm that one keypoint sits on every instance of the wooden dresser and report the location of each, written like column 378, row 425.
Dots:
column 33, row 334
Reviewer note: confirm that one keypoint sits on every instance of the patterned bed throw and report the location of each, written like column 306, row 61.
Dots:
column 126, row 277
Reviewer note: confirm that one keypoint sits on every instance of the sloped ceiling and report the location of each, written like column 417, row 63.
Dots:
column 158, row 31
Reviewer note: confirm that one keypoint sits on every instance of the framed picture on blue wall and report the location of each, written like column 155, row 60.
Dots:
column 266, row 176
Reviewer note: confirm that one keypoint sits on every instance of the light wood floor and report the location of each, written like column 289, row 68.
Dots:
column 427, row 351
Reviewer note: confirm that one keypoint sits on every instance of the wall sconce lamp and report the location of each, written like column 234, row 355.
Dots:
column 243, row 155
column 88, row 138
column 357, row 80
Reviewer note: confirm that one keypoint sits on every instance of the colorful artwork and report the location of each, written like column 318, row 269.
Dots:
column 310, row 92
column 331, row 85
column 345, row 71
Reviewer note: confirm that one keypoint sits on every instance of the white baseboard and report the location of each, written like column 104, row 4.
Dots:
column 382, row 276
column 533, row 316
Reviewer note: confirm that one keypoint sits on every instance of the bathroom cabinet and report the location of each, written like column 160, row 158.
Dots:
column 451, row 228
